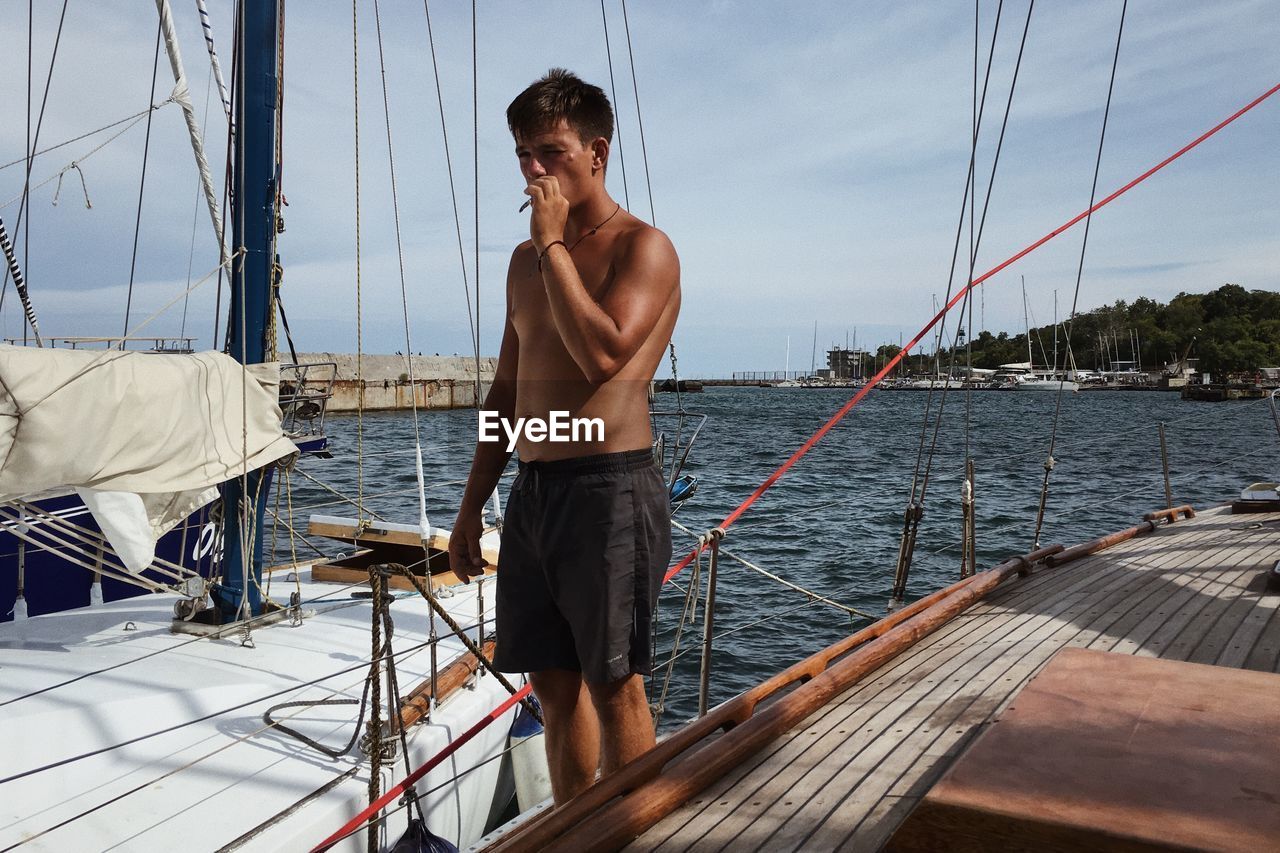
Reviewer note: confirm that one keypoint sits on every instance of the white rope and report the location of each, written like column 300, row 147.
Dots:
column 74, row 164
column 136, row 116
column 175, row 300
column 183, row 98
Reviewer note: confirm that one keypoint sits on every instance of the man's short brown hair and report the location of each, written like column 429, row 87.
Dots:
column 560, row 95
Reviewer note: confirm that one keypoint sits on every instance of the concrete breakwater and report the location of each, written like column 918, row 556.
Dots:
column 439, row 381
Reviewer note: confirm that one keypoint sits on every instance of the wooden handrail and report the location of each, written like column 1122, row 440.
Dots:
column 417, row 704
column 1171, row 514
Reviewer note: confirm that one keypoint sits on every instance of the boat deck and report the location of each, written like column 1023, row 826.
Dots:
column 846, row 779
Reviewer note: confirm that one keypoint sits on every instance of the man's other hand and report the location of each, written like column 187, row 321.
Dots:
column 465, row 557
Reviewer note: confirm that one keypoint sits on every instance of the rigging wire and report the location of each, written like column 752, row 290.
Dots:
column 986, row 202
column 26, row 185
column 76, row 163
column 635, row 90
column 613, row 90
column 404, row 290
column 355, row 75
column 783, row 581
column 475, row 155
column 453, row 192
column 32, row 141
column 969, row 191
column 915, row 506
column 142, row 185
column 134, row 118
column 1075, row 297
column 893, row 362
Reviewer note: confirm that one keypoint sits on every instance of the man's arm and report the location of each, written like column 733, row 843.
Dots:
column 603, row 336
column 488, row 463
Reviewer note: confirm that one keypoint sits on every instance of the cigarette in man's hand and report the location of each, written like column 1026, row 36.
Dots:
column 524, row 206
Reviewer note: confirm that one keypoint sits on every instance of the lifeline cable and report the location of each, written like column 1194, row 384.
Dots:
column 396, row 790
column 893, row 362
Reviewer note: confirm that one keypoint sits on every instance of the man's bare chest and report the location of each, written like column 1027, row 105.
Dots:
column 531, row 304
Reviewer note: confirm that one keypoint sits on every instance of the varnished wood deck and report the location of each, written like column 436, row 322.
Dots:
column 844, row 781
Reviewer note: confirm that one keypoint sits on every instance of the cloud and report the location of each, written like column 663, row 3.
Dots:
column 808, row 161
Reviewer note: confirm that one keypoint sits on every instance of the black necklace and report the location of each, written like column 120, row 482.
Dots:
column 594, row 230
column 569, row 248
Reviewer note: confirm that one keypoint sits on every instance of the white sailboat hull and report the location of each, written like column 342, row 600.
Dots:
column 211, row 782
column 1046, row 385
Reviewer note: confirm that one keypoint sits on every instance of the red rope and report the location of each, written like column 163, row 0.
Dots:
column 377, row 806
column 884, row 371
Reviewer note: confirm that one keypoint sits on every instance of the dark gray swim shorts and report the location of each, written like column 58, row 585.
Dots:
column 585, row 544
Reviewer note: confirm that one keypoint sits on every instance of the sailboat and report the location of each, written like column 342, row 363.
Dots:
column 213, row 713
column 787, row 381
column 1049, row 380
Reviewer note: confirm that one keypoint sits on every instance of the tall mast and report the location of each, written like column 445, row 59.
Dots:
column 813, row 359
column 1055, row 333
column 253, row 228
column 1026, row 324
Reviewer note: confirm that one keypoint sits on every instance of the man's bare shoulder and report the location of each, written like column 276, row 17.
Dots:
column 524, row 248
column 644, row 245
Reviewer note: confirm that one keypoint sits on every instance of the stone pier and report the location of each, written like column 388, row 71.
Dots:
column 439, row 381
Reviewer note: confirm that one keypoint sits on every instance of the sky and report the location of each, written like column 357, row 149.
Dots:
column 807, row 159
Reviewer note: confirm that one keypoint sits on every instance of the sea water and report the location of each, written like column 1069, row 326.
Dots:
column 833, row 523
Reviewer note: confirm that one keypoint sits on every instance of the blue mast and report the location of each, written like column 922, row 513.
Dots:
column 253, row 228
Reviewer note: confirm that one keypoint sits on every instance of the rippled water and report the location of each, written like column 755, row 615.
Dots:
column 832, row 523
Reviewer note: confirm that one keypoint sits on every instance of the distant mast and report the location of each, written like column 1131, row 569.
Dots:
column 813, row 359
column 253, row 229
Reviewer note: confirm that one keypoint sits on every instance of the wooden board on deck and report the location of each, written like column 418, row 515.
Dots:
column 387, row 542
column 343, row 574
column 1107, row 751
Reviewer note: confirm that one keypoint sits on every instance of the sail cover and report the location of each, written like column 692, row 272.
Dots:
column 164, row 427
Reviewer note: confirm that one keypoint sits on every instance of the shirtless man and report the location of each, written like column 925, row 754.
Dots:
column 592, row 299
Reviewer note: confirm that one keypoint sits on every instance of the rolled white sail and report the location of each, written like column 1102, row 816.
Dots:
column 164, row 427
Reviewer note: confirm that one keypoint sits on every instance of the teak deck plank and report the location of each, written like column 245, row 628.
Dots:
column 849, row 714
column 784, row 752
column 1265, row 654
column 844, row 825
column 1054, row 586
column 849, row 775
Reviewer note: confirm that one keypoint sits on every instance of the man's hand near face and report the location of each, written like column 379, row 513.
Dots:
column 550, row 212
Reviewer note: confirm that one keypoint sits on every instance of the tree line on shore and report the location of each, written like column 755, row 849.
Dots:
column 1228, row 330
